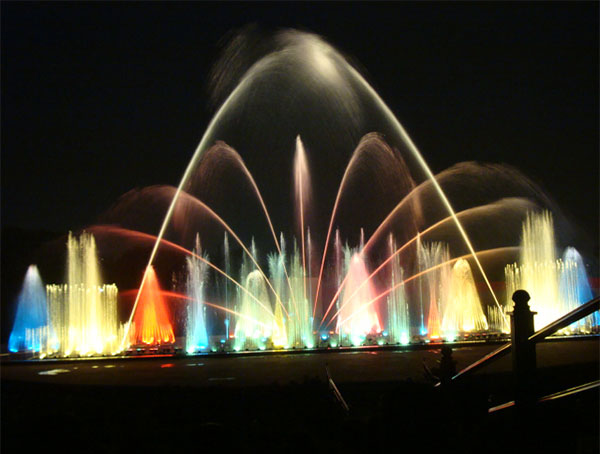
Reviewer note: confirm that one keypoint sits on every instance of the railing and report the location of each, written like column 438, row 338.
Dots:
column 554, row 396
column 523, row 340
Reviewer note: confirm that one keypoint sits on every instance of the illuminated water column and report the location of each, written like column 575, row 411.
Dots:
column 30, row 326
column 434, row 285
column 539, row 273
column 254, row 322
column 358, row 315
column 196, row 333
column 300, row 323
column 463, row 312
column 278, row 279
column 398, row 319
column 151, row 323
column 229, row 292
column 338, row 272
column 575, row 289
column 254, row 325
column 83, row 312
column 538, row 270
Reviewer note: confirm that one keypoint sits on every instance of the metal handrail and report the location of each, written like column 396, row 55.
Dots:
column 336, row 391
column 554, row 396
column 578, row 313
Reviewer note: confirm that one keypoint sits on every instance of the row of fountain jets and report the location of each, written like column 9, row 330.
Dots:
column 80, row 318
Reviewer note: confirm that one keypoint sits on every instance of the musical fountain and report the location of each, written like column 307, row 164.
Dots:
column 406, row 255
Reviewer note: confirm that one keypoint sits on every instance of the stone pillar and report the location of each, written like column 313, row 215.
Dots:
column 523, row 351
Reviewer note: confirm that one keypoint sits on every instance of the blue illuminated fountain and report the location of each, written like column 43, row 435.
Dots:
column 196, row 334
column 30, row 327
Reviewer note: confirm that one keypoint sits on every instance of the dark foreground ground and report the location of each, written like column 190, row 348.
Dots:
column 283, row 403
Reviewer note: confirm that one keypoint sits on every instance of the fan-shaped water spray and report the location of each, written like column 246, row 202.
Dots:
column 152, row 322
column 463, row 312
column 29, row 329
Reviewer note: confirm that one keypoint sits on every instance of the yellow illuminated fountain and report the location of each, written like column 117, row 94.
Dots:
column 82, row 313
column 556, row 286
column 463, row 312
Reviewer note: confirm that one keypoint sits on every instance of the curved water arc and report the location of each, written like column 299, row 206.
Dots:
column 327, row 58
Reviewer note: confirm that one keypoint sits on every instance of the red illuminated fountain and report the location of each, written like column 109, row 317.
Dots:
column 151, row 324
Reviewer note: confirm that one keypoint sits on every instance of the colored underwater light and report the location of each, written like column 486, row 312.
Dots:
column 404, row 339
column 450, row 337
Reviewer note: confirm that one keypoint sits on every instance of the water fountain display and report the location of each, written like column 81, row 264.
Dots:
column 82, row 314
column 402, row 254
column 559, row 285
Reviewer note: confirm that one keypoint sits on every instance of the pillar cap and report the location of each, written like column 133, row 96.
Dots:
column 521, row 299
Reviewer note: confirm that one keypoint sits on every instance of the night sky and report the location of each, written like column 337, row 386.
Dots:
column 100, row 98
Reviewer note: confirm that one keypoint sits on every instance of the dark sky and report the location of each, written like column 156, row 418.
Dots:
column 99, row 98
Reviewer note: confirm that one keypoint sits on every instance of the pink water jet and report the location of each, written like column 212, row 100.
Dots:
column 362, row 319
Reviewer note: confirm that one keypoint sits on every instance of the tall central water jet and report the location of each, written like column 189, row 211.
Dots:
column 302, row 193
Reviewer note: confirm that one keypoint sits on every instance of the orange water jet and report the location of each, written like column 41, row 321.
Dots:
column 151, row 324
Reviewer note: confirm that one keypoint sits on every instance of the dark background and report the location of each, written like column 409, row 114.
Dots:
column 99, row 98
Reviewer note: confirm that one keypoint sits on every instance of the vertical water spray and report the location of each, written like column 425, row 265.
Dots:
column 338, row 269
column 434, row 285
column 300, row 325
column 556, row 286
column 308, row 270
column 537, row 270
column 255, row 327
column 278, row 278
column 229, row 296
column 356, row 319
column 83, row 312
column 196, row 329
column 575, row 289
column 398, row 325
column 302, row 194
